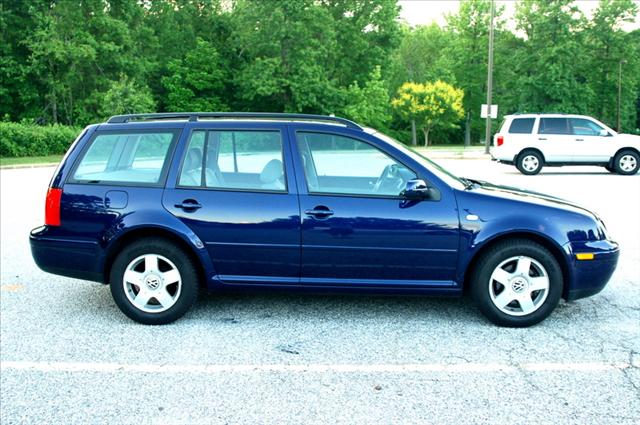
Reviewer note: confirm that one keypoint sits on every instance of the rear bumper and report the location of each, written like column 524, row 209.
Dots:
column 66, row 257
column 591, row 276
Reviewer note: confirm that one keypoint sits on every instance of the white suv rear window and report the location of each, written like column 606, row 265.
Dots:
column 522, row 125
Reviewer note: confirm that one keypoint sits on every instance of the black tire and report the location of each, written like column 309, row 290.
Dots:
column 482, row 285
column 530, row 162
column 623, row 159
column 182, row 299
column 610, row 169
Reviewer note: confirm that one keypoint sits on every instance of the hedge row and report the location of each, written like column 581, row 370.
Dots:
column 18, row 139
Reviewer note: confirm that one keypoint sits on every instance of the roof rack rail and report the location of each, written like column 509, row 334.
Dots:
column 195, row 116
column 542, row 113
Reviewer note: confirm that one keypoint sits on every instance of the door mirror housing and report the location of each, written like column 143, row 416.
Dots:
column 604, row 133
column 415, row 190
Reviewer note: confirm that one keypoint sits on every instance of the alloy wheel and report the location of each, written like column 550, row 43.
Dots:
column 152, row 283
column 519, row 286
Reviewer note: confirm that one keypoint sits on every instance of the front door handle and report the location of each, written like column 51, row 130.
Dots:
column 319, row 212
column 541, row 138
column 579, row 140
column 189, row 205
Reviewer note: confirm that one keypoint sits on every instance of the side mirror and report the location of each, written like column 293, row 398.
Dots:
column 604, row 133
column 415, row 190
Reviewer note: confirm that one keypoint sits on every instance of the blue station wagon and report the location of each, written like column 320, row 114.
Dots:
column 159, row 205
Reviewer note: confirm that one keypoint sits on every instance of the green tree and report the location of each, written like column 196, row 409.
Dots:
column 366, row 34
column 370, row 104
column 431, row 105
column 422, row 56
column 609, row 45
column 196, row 82
column 551, row 66
column 288, row 50
column 468, row 55
column 126, row 97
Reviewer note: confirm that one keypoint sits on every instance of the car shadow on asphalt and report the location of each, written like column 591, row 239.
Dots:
column 230, row 307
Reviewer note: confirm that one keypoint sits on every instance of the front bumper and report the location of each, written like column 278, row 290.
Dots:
column 66, row 257
column 591, row 276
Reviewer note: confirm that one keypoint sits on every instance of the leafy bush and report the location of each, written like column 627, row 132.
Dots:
column 18, row 139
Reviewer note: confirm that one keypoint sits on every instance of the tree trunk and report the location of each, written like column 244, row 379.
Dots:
column 467, row 130
column 426, row 136
column 414, row 135
column 54, row 107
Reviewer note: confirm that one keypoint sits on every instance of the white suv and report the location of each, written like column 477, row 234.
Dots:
column 532, row 140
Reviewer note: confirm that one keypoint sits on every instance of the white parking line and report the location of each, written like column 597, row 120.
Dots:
column 310, row 368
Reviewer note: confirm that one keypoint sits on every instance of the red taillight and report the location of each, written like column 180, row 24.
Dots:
column 499, row 140
column 52, row 207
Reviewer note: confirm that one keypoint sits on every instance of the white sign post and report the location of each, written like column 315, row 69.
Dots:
column 494, row 111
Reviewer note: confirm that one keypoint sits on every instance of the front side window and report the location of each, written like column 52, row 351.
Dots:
column 554, row 126
column 125, row 158
column 584, row 127
column 244, row 160
column 342, row 165
column 522, row 125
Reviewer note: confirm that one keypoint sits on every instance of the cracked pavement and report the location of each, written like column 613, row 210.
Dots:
column 83, row 357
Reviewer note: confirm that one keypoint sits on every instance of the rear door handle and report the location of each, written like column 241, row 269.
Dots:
column 319, row 212
column 579, row 140
column 189, row 205
column 541, row 138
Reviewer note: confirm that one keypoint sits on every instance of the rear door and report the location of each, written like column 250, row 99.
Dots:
column 555, row 139
column 235, row 189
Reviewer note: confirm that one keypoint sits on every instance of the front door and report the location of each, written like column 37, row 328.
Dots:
column 235, row 192
column 355, row 228
column 591, row 145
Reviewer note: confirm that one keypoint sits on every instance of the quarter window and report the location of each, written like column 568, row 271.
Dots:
column 342, row 165
column 584, row 127
column 244, row 160
column 554, row 126
column 522, row 125
column 125, row 158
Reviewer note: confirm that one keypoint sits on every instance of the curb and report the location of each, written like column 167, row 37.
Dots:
column 17, row 166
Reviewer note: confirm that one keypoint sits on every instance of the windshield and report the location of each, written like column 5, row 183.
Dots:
column 444, row 175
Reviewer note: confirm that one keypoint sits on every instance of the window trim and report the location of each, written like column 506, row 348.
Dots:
column 351, row 195
column 166, row 165
column 207, row 130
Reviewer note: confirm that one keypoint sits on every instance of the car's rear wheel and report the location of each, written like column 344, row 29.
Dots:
column 517, row 283
column 610, row 169
column 626, row 162
column 529, row 162
column 153, row 281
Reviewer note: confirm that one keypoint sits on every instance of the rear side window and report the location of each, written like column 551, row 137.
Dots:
column 242, row 160
column 554, row 126
column 125, row 158
column 522, row 125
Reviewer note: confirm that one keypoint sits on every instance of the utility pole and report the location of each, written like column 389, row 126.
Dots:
column 619, row 90
column 487, row 140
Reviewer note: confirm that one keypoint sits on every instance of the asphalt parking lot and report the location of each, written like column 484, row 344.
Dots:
column 69, row 356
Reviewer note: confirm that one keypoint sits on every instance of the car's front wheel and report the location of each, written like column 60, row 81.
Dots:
column 517, row 283
column 529, row 162
column 626, row 162
column 153, row 281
